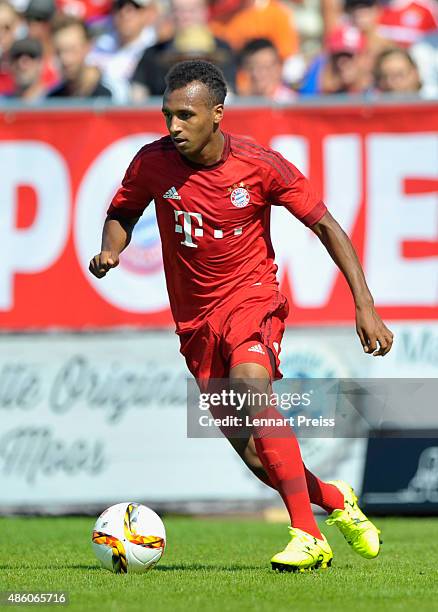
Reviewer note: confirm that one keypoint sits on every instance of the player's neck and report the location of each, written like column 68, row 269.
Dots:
column 211, row 153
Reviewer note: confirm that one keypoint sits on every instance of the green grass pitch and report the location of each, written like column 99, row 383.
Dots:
column 222, row 565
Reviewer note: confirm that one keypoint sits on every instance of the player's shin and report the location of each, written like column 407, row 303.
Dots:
column 279, row 453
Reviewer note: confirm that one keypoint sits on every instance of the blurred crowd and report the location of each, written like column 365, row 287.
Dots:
column 281, row 50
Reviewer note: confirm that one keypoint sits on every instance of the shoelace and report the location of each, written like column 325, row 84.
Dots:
column 346, row 520
column 352, row 537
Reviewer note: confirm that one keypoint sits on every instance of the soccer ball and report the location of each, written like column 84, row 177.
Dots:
column 128, row 537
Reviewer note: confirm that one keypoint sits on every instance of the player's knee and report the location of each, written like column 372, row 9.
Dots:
column 252, row 382
column 250, row 371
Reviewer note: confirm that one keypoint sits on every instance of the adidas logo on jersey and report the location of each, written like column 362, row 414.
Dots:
column 257, row 348
column 172, row 194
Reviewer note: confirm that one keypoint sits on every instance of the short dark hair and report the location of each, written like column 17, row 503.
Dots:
column 26, row 46
column 350, row 5
column 255, row 45
column 184, row 73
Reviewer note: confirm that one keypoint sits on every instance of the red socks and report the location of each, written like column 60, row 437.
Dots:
column 324, row 495
column 279, row 452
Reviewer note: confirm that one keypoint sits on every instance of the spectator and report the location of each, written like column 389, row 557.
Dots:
column 347, row 70
column 404, row 22
column 343, row 68
column 396, row 73
column 39, row 15
column 26, row 57
column 118, row 52
column 425, row 55
column 364, row 15
column 192, row 38
column 262, row 66
column 9, row 26
column 72, row 45
column 268, row 19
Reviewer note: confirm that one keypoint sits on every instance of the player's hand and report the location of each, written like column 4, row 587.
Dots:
column 102, row 263
column 375, row 337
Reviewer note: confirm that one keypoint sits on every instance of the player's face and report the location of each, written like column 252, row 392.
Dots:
column 191, row 118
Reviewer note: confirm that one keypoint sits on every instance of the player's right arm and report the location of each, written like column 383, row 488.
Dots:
column 116, row 236
column 125, row 210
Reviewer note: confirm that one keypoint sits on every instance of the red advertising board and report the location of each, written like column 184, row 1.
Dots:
column 376, row 166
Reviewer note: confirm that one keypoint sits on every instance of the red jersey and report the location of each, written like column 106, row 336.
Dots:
column 406, row 21
column 214, row 221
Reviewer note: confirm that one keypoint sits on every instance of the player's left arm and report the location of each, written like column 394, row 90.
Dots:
column 375, row 337
column 288, row 187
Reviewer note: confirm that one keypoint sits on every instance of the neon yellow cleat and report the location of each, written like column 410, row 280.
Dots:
column 359, row 532
column 303, row 553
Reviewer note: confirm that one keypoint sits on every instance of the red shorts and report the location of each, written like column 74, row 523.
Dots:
column 254, row 315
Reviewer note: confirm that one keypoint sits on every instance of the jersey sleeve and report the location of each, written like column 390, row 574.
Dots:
column 288, row 187
column 133, row 195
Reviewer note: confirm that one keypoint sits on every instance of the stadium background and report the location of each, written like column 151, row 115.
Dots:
column 92, row 387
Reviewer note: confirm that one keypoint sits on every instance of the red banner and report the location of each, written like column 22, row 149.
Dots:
column 376, row 166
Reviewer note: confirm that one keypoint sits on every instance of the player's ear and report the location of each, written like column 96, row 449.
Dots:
column 218, row 113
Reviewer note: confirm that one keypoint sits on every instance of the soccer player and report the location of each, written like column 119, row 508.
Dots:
column 213, row 193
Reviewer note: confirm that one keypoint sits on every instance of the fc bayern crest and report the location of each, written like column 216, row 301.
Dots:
column 240, row 197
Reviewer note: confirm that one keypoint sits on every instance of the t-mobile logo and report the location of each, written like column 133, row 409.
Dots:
column 186, row 228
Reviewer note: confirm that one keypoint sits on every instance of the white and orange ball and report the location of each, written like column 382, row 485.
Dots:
column 128, row 537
